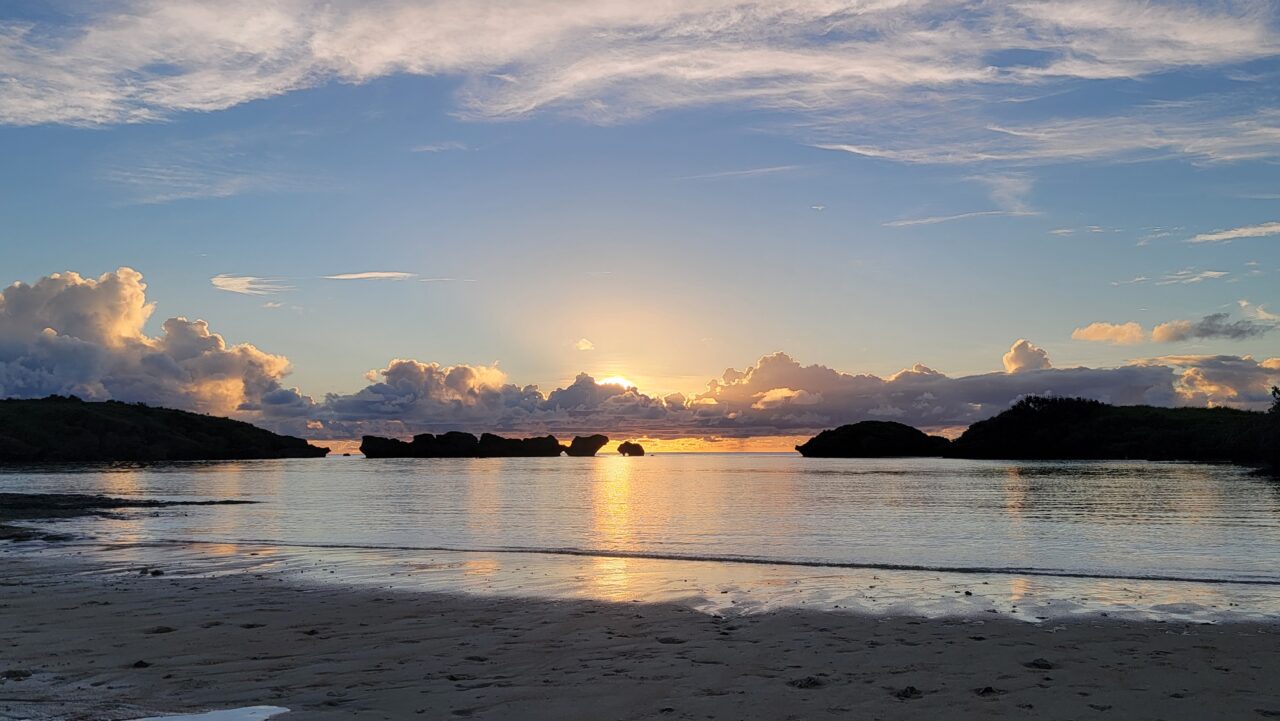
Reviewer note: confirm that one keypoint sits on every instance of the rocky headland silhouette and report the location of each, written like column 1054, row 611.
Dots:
column 67, row 429
column 1049, row 428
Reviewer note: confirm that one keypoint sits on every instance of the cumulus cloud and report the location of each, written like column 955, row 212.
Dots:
column 68, row 334
column 584, row 345
column 1024, row 356
column 1222, row 380
column 73, row 335
column 1213, row 326
column 248, row 284
column 1248, row 231
column 1115, row 333
column 843, row 64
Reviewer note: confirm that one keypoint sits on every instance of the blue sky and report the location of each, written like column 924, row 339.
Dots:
column 864, row 186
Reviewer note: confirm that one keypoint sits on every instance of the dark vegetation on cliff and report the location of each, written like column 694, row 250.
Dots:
column 67, row 429
column 873, row 439
column 456, row 444
column 1039, row 428
column 1074, row 428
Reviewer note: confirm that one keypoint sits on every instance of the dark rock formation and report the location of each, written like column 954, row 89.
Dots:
column 1075, row 428
column 586, row 445
column 873, row 439
column 630, row 448
column 378, row 447
column 456, row 444
column 492, row 446
column 453, row 444
column 1040, row 428
column 66, row 429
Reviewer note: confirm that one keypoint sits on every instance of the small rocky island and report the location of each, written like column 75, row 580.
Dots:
column 67, row 429
column 873, row 439
column 630, row 448
column 456, row 444
column 1040, row 428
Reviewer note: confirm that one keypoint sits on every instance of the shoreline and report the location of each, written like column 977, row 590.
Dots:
column 253, row 637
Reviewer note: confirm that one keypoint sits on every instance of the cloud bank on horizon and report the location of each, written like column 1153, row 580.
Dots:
column 67, row 334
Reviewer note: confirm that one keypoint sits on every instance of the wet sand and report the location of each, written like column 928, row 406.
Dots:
column 124, row 645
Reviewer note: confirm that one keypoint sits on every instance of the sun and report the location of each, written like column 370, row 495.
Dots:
column 615, row 381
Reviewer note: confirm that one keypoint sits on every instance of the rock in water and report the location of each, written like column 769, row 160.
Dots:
column 629, row 448
column 873, row 439
column 377, row 447
column 586, row 445
column 492, row 446
column 456, row 444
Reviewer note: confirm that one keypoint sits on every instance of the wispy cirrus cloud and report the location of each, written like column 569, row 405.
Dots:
column 1260, row 230
column 1190, row 276
column 248, row 284
column 1132, row 281
column 745, row 173
column 373, row 275
column 439, row 147
column 840, row 68
column 934, row 219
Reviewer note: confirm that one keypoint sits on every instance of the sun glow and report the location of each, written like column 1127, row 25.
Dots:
column 616, row 381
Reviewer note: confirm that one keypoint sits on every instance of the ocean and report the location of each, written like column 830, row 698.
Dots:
column 724, row 533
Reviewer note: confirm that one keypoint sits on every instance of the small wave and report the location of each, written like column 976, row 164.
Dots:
column 754, row 560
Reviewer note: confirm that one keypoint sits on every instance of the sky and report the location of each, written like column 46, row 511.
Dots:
column 393, row 216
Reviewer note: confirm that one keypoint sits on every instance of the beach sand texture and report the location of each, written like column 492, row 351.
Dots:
column 117, row 646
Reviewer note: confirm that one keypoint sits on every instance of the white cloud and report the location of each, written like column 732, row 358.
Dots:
column 932, row 220
column 1062, row 231
column 1024, row 356
column 375, row 275
column 248, row 284
column 1191, row 276
column 439, row 147
column 1132, row 281
column 71, row 335
column 1115, row 333
column 1257, row 312
column 747, row 173
column 584, row 345
column 1248, row 231
column 844, row 67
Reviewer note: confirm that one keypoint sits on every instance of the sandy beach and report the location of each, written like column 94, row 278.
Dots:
column 123, row 645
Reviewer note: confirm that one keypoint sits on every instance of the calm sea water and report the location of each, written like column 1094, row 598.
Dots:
column 813, row 529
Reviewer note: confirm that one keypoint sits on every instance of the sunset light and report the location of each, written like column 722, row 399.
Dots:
column 731, row 359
